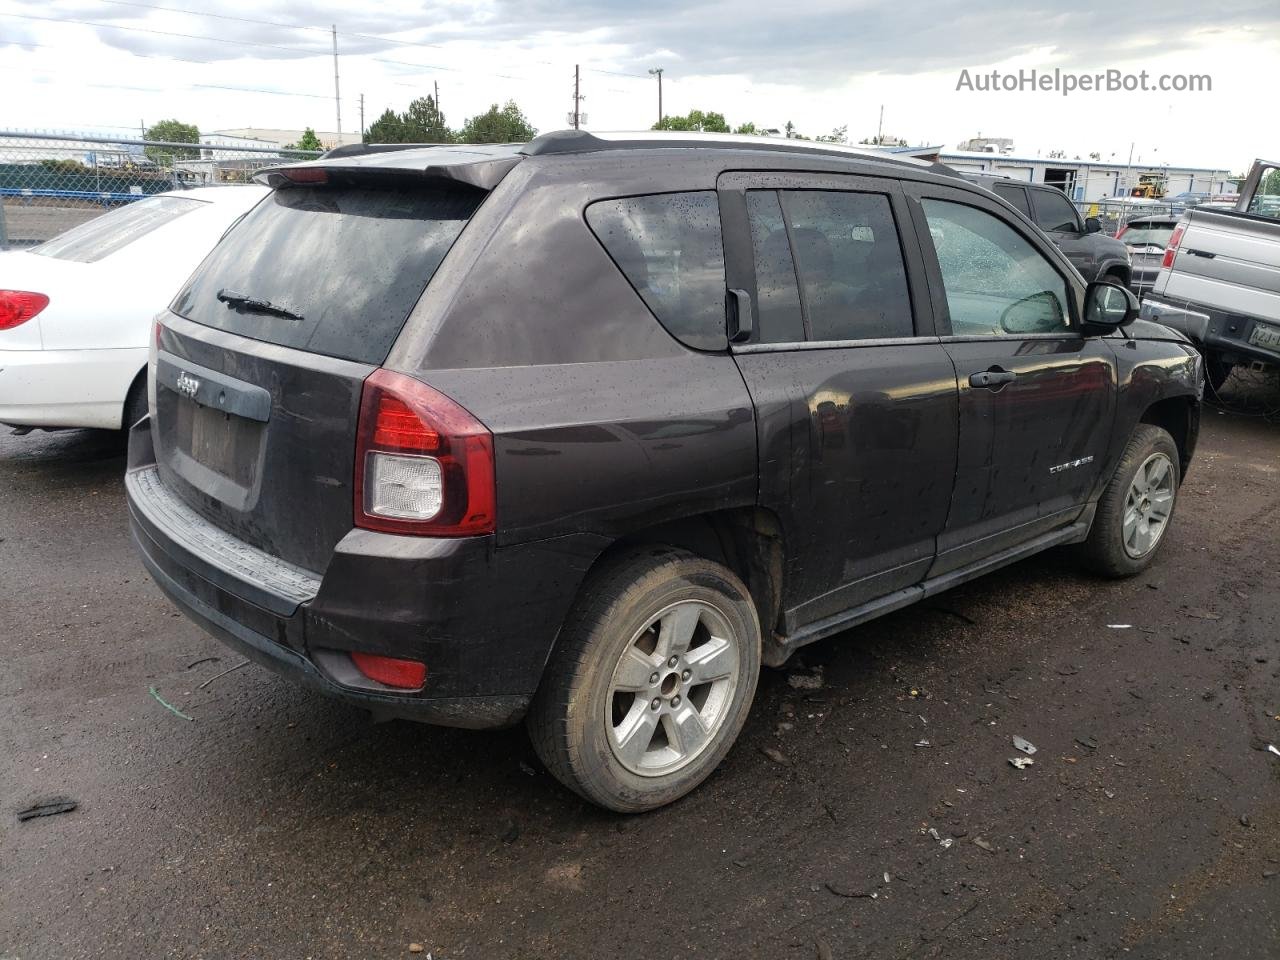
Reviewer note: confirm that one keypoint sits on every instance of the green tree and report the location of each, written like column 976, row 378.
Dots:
column 1269, row 186
column 424, row 123
column 388, row 128
column 696, row 120
column 172, row 131
column 838, row 135
column 750, row 129
column 505, row 125
column 308, row 141
column 791, row 133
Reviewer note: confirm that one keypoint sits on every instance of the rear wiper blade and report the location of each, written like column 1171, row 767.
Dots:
column 257, row 304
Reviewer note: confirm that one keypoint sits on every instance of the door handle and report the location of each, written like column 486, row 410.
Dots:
column 992, row 379
column 739, row 316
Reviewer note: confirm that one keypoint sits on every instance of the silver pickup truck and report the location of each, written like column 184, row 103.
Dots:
column 1219, row 282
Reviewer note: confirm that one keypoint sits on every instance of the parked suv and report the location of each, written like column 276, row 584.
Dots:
column 586, row 430
column 1096, row 255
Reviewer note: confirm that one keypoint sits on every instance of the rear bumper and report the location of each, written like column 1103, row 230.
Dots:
column 1212, row 329
column 67, row 388
column 482, row 619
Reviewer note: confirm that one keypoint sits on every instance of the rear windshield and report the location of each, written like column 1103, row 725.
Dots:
column 113, row 231
column 331, row 270
column 1148, row 235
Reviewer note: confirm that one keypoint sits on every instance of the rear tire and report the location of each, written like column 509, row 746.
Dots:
column 1137, row 506
column 650, row 682
column 135, row 402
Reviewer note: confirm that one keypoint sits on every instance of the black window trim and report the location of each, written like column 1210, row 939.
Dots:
column 915, row 192
column 732, row 185
column 1026, row 198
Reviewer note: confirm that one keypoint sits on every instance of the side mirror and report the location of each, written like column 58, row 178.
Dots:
column 1039, row 313
column 1093, row 225
column 1108, row 307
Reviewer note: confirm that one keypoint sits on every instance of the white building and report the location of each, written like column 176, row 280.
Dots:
column 1083, row 180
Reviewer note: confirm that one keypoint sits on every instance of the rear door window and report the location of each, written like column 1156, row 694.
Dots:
column 1014, row 195
column 669, row 247
column 104, row 235
column 329, row 269
column 778, row 311
column 852, row 280
column 1054, row 212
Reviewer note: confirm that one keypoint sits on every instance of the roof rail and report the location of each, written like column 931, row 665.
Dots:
column 580, row 141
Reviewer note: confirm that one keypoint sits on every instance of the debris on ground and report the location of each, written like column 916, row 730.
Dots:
column 777, row 756
column 944, row 842
column 169, row 706
column 1119, row 626
column 47, row 808
column 527, row 770
column 923, row 743
column 1020, row 762
column 1021, row 743
column 1109, row 794
column 806, row 681
column 222, row 674
column 823, row 948
column 840, row 890
column 416, row 948
column 1271, row 747
column 1196, row 613
column 1089, row 743
column 982, row 844
column 196, row 663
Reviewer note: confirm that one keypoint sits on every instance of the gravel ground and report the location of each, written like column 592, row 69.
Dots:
column 276, row 823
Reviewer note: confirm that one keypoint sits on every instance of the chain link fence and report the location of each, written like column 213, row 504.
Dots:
column 1118, row 211
column 50, row 183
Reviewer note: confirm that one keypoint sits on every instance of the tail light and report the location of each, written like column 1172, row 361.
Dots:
column 391, row 671
column 424, row 465
column 19, row 306
column 1171, row 250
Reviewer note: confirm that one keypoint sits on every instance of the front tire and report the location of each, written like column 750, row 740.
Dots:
column 651, row 680
column 1137, row 506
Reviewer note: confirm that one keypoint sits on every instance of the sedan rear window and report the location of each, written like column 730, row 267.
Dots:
column 1148, row 235
column 669, row 247
column 104, row 235
column 328, row 269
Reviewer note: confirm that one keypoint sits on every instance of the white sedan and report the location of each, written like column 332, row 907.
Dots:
column 76, row 312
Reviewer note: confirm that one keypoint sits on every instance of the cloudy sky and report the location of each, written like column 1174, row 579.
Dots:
column 106, row 64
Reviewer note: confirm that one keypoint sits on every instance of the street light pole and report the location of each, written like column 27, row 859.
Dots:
column 657, row 72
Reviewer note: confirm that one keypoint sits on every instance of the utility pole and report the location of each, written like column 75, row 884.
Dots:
column 577, row 96
column 362, row 116
column 337, row 93
column 657, row 72
column 880, row 129
column 436, row 85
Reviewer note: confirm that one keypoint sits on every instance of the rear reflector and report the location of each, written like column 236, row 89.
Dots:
column 424, row 465
column 391, row 671
column 19, row 306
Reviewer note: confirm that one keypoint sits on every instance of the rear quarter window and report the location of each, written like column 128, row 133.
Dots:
column 670, row 249
column 332, row 269
column 105, row 235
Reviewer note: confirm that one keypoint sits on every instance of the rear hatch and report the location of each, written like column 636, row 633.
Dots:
column 261, row 361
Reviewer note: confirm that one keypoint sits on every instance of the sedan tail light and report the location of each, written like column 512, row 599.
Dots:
column 391, row 671
column 424, row 465
column 19, row 306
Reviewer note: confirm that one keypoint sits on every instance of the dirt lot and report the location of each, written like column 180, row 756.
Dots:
column 276, row 823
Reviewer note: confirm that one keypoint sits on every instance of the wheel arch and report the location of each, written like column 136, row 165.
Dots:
column 747, row 540
column 1179, row 416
